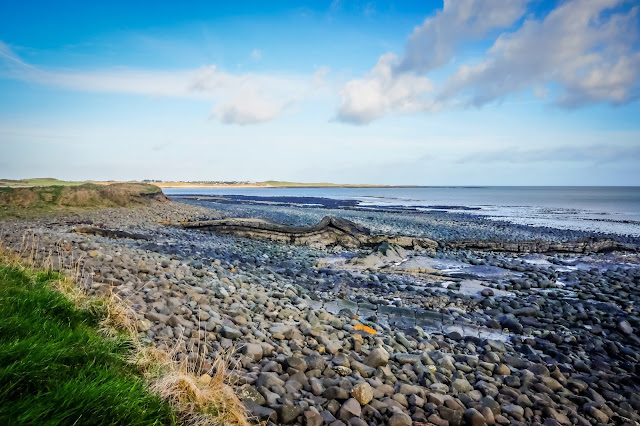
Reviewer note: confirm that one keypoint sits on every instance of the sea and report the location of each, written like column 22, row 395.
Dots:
column 603, row 209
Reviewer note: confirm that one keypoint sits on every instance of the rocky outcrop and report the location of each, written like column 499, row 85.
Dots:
column 330, row 231
column 384, row 255
column 539, row 246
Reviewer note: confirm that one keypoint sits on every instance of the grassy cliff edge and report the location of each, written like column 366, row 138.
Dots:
column 20, row 200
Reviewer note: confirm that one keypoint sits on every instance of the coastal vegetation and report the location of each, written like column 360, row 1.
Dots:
column 57, row 368
column 39, row 182
column 70, row 358
column 20, row 201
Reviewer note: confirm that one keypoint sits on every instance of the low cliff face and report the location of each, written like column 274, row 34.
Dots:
column 330, row 231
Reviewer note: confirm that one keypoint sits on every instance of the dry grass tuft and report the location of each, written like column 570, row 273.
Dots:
column 149, row 359
column 119, row 316
column 8, row 257
column 68, row 287
column 206, row 399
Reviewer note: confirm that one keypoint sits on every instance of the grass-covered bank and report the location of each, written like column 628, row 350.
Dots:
column 37, row 200
column 57, row 368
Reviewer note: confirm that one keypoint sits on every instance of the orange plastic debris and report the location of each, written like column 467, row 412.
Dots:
column 365, row 328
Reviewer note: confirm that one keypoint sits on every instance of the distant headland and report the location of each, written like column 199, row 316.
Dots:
column 197, row 184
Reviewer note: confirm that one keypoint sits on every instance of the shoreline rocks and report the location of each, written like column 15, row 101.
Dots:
column 334, row 346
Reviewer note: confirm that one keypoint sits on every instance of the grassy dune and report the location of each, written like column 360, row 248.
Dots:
column 55, row 368
column 25, row 201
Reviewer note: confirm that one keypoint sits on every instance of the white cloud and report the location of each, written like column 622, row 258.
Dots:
column 380, row 92
column 256, row 54
column 238, row 98
column 587, row 54
column 248, row 107
column 434, row 43
column 395, row 85
column 582, row 52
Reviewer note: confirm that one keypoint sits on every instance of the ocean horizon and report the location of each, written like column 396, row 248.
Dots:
column 605, row 209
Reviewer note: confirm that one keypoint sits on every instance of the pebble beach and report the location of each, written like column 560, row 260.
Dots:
column 336, row 336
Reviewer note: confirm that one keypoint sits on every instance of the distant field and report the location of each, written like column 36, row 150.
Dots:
column 200, row 184
column 39, row 182
column 278, row 183
column 266, row 184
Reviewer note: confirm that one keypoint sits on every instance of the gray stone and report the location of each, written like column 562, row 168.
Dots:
column 625, row 327
column 461, row 386
column 454, row 417
column 335, row 392
column 288, row 413
column 513, row 410
column 350, row 408
column 312, row 417
column 156, row 317
column 598, row 414
column 356, row 421
column 297, row 363
column 487, row 292
column 473, row 417
column 260, row 412
column 364, row 370
column 268, row 380
column 250, row 393
column 252, row 350
column 231, row 333
column 400, row 419
column 403, row 358
column 315, row 362
column 378, row 357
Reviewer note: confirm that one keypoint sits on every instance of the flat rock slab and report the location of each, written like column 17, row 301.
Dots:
column 591, row 245
column 330, row 231
column 475, row 287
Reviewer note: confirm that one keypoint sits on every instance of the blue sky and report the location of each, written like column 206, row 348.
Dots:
column 466, row 92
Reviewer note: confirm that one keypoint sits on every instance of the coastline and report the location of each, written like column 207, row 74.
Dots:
column 411, row 208
column 382, row 334
column 260, row 185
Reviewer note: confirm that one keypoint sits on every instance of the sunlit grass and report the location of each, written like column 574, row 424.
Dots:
column 56, row 368
column 39, row 182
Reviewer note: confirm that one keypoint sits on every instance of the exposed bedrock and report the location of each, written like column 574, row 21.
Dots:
column 333, row 231
column 330, row 231
column 594, row 245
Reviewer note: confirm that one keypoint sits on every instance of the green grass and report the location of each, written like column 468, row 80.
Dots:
column 40, row 182
column 56, row 369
